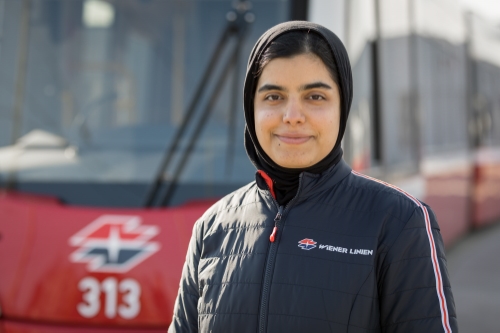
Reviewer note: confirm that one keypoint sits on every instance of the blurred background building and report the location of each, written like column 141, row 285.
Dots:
column 117, row 113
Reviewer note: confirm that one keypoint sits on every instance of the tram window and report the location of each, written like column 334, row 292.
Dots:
column 423, row 75
column 486, row 104
column 442, row 82
column 485, row 100
column 442, row 95
column 105, row 85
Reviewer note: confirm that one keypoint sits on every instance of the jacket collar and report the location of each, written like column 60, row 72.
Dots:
column 310, row 183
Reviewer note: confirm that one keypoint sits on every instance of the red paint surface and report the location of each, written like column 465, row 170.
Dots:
column 448, row 194
column 39, row 283
column 467, row 197
column 19, row 327
column 486, row 193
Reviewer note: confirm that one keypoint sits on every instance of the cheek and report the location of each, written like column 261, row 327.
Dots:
column 331, row 129
column 263, row 121
column 260, row 126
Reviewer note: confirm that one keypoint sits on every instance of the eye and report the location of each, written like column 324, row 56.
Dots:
column 316, row 97
column 272, row 97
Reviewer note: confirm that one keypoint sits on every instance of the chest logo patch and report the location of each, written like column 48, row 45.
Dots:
column 307, row 244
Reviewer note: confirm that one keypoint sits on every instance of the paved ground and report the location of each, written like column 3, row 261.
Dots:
column 474, row 267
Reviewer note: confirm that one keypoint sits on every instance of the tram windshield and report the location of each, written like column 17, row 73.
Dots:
column 93, row 92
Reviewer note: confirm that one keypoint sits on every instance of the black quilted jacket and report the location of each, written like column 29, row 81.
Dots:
column 350, row 254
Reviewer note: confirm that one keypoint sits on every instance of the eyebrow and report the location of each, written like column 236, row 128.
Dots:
column 268, row 87
column 308, row 86
column 315, row 85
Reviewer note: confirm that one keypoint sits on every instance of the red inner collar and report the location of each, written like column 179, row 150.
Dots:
column 268, row 181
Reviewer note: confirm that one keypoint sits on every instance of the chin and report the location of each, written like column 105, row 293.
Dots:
column 298, row 159
column 294, row 164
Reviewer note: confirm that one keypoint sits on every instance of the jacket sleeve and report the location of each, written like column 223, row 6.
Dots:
column 185, row 318
column 414, row 287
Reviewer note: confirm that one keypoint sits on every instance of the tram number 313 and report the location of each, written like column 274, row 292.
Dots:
column 129, row 291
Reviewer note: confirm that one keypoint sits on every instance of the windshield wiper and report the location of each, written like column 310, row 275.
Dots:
column 237, row 26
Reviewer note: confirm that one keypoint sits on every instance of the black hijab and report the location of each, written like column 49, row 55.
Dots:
column 286, row 180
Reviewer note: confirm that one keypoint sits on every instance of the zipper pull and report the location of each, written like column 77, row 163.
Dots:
column 273, row 235
column 272, row 238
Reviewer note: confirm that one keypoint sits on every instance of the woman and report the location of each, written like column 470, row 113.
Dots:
column 310, row 246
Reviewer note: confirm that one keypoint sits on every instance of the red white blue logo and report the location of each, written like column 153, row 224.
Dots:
column 114, row 243
column 307, row 244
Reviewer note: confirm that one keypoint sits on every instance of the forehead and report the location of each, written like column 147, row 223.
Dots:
column 303, row 68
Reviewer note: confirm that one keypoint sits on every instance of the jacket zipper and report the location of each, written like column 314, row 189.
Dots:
column 271, row 256
column 277, row 219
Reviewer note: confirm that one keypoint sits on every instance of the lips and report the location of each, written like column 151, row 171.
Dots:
column 293, row 139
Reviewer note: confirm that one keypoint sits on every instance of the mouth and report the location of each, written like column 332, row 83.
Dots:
column 293, row 139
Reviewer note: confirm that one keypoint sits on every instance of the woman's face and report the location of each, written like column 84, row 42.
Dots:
column 297, row 111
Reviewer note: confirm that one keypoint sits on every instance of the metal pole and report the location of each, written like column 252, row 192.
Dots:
column 415, row 115
column 378, row 88
column 21, row 71
column 233, row 106
column 20, row 87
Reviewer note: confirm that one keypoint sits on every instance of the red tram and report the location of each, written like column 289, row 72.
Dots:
column 121, row 122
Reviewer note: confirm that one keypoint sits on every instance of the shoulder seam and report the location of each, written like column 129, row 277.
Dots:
column 352, row 210
column 392, row 189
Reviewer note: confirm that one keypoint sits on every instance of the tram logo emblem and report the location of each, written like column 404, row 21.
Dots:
column 307, row 244
column 114, row 243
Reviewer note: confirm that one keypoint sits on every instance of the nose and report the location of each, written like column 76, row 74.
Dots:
column 293, row 113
